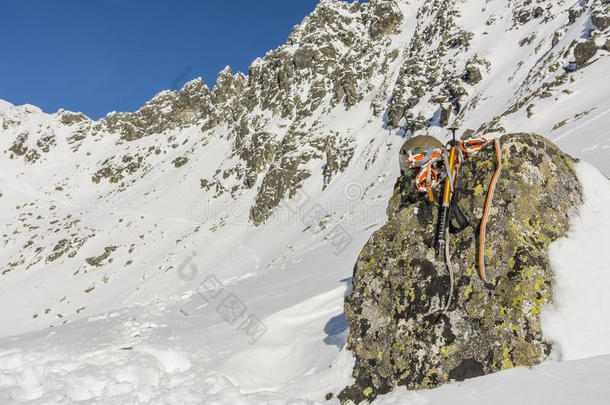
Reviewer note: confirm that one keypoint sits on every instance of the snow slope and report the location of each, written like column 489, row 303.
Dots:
column 579, row 325
column 184, row 352
column 125, row 280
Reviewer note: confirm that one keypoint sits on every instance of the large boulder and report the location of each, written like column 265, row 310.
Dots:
column 399, row 334
column 473, row 74
column 584, row 51
column 601, row 20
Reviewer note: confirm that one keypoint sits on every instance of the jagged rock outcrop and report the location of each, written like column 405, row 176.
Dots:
column 288, row 169
column 584, row 51
column 385, row 19
column 398, row 332
column 601, row 18
column 167, row 110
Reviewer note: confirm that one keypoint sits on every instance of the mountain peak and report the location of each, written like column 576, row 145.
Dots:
column 4, row 106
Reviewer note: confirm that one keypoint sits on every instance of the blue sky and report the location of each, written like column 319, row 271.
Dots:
column 97, row 56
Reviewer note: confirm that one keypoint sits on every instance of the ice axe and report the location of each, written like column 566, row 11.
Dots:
column 452, row 164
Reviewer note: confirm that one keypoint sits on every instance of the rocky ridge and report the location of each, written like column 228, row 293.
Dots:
column 339, row 54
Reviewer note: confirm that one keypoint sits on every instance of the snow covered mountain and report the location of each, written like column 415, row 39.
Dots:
column 198, row 249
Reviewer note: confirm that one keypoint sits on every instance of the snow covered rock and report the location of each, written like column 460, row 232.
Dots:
column 398, row 332
column 584, row 51
column 386, row 18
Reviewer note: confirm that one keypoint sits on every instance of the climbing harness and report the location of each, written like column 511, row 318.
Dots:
column 438, row 164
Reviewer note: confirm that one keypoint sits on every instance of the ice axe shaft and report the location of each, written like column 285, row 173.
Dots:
column 443, row 214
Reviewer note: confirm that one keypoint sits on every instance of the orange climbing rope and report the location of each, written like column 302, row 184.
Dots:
column 490, row 194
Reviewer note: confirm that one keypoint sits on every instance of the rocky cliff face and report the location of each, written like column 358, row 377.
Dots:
column 398, row 331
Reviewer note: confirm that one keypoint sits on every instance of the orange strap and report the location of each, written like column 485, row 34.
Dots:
column 490, row 194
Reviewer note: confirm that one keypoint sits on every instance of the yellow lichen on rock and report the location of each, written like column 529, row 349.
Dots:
column 398, row 331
